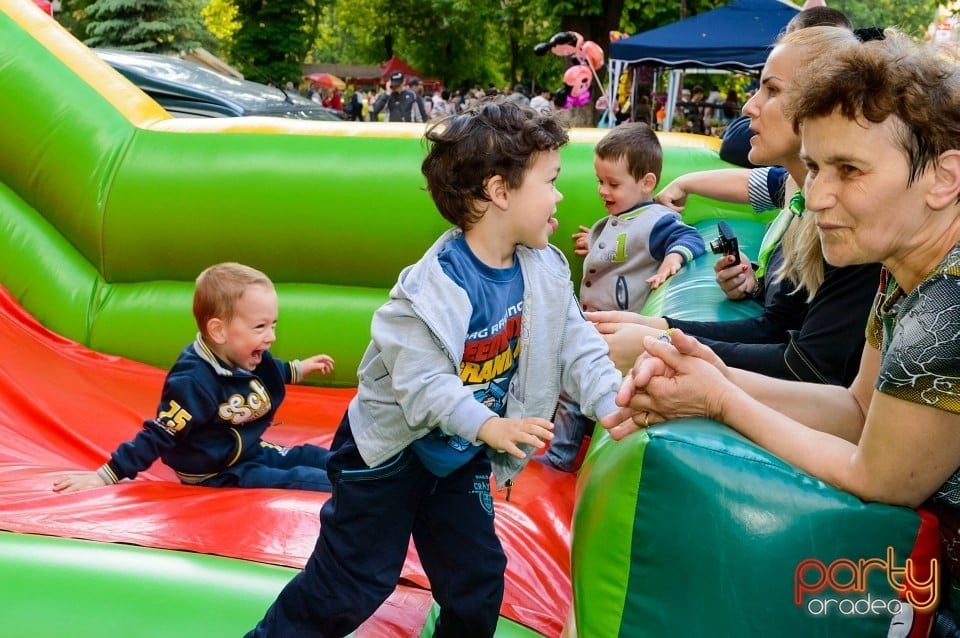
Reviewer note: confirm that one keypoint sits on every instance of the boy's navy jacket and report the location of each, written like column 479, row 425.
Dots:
column 209, row 417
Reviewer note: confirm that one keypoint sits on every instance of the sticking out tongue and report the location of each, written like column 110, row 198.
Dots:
column 553, row 224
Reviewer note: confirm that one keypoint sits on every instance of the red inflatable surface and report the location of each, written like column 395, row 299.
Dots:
column 65, row 408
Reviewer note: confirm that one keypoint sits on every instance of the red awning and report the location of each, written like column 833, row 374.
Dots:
column 395, row 64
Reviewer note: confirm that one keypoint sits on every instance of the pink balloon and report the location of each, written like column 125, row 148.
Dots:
column 591, row 54
column 579, row 78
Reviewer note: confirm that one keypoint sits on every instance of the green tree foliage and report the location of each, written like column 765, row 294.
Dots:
column 526, row 25
column 643, row 15
column 274, row 37
column 220, row 18
column 456, row 41
column 73, row 17
column 348, row 32
column 464, row 43
column 910, row 17
column 144, row 25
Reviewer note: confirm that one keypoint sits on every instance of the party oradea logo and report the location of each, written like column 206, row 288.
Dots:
column 842, row 587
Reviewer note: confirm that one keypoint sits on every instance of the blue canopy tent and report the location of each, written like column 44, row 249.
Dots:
column 736, row 36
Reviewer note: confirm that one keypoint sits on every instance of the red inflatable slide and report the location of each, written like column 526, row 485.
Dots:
column 65, row 408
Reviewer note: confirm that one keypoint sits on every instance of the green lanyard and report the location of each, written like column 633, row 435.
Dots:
column 776, row 229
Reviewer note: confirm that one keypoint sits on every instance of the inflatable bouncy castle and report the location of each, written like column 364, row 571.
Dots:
column 109, row 208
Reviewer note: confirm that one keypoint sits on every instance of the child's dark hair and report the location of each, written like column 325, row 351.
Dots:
column 637, row 142
column 492, row 138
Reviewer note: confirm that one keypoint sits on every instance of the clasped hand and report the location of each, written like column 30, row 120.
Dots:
column 670, row 380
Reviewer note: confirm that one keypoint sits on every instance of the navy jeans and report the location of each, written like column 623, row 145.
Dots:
column 365, row 529
column 302, row 467
column 570, row 426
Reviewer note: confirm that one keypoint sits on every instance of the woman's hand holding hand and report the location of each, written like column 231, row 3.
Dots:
column 624, row 332
column 672, row 380
column 625, row 341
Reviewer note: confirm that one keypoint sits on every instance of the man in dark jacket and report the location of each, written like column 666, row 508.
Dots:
column 399, row 102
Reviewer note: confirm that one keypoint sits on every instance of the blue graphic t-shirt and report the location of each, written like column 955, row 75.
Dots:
column 490, row 351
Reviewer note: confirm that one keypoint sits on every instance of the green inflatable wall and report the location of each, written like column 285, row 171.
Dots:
column 688, row 529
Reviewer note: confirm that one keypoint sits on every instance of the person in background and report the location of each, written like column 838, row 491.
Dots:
column 441, row 104
column 427, row 104
column 220, row 396
column 368, row 101
column 354, row 106
column 629, row 252
column 398, row 102
column 644, row 113
column 680, row 110
column 693, row 110
column 332, row 99
column 735, row 143
column 714, row 96
column 543, row 101
column 730, row 108
column 711, row 109
column 519, row 95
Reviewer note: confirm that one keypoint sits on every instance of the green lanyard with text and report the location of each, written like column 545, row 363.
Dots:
column 776, row 230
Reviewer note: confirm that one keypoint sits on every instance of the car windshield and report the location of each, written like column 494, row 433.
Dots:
column 169, row 79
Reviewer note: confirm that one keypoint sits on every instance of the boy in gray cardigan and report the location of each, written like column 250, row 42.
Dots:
column 637, row 246
column 463, row 371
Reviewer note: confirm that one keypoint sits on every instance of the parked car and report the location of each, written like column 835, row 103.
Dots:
column 186, row 89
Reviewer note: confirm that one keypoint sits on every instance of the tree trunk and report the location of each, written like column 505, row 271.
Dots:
column 596, row 28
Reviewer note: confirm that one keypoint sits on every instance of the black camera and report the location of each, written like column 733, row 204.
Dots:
column 726, row 243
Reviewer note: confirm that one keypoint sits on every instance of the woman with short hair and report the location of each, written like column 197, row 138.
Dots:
column 880, row 128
